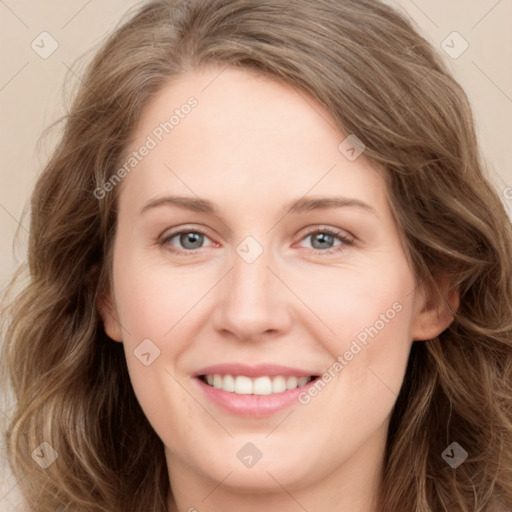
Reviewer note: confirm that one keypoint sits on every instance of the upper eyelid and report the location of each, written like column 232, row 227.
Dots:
column 309, row 229
column 185, row 229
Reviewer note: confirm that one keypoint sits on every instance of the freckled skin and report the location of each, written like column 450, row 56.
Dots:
column 250, row 146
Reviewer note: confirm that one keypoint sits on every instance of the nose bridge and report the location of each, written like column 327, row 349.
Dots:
column 250, row 273
column 251, row 301
column 250, row 289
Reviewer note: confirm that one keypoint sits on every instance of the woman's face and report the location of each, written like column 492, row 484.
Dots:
column 288, row 266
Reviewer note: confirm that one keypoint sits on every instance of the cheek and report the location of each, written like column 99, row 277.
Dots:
column 371, row 314
column 370, row 351
column 364, row 304
column 153, row 308
column 155, row 301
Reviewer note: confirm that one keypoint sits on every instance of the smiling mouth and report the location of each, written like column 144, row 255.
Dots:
column 265, row 385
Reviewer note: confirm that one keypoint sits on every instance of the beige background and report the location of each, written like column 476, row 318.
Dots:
column 31, row 90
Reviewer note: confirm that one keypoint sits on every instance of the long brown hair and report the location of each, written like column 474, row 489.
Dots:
column 381, row 81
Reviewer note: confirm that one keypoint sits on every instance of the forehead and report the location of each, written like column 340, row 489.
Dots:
column 246, row 137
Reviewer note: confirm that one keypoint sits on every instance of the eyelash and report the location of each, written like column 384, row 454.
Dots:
column 346, row 241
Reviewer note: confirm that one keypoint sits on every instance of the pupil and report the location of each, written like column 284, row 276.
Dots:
column 323, row 238
column 191, row 238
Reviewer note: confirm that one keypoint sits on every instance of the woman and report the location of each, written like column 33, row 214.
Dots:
column 261, row 368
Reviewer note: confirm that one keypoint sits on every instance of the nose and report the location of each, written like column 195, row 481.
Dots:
column 252, row 303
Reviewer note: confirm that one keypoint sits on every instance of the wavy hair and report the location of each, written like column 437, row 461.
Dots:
column 380, row 80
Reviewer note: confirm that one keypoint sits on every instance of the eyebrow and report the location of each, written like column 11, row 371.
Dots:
column 298, row 206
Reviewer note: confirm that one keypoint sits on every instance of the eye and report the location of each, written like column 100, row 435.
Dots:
column 323, row 239
column 190, row 239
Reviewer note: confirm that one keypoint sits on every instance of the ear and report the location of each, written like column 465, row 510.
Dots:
column 435, row 316
column 109, row 315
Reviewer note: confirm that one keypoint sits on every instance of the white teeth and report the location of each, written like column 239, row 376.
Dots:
column 217, row 381
column 278, row 384
column 243, row 385
column 228, row 384
column 262, row 386
column 291, row 382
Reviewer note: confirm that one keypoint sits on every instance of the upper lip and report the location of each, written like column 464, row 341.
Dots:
column 260, row 370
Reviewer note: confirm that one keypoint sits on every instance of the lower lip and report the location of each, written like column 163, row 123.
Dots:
column 253, row 406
